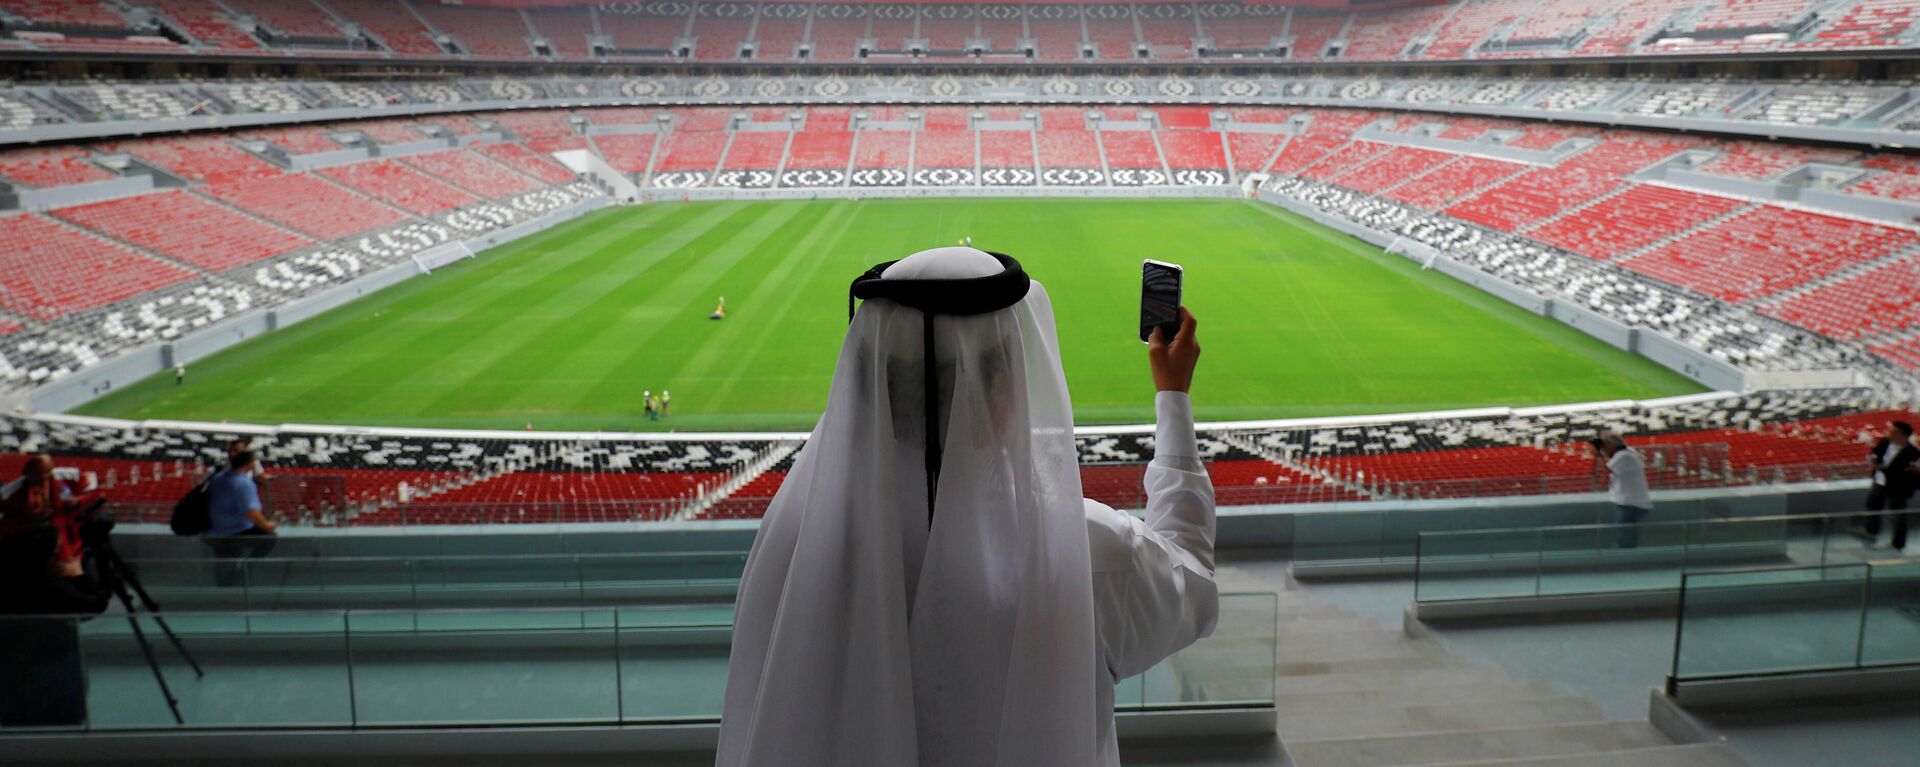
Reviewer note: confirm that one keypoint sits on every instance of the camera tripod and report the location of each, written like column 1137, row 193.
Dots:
column 118, row 579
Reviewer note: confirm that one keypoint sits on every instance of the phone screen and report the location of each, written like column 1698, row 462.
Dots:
column 1159, row 299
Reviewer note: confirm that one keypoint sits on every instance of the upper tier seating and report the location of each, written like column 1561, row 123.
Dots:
column 1113, row 38
column 1766, row 250
column 697, row 151
column 492, row 32
column 73, row 14
column 298, row 20
column 1893, row 186
column 400, row 185
column 1533, row 197
column 1347, row 157
column 1312, row 33
column 1878, row 301
column 634, row 34
column 207, row 21
column 1385, row 35
column 1470, row 24
column 1559, row 20
column 568, row 30
column 392, row 23
column 49, row 166
column 53, row 270
column 1252, row 151
column 1751, row 15
column 472, row 172
column 308, row 204
column 187, row 227
column 1633, row 219
column 883, row 149
column 1303, row 151
column 204, row 158
column 536, row 124
column 1867, row 23
column 756, row 150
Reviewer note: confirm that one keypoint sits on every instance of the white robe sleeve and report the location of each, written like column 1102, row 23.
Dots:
column 1153, row 589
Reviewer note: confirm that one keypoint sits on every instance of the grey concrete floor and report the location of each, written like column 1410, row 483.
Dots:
column 1616, row 662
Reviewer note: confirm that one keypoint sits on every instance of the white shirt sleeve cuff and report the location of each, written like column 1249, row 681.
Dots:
column 1173, row 437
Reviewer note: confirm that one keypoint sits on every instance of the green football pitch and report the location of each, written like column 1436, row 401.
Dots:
column 564, row 329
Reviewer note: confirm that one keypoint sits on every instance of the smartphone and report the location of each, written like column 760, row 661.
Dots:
column 1159, row 298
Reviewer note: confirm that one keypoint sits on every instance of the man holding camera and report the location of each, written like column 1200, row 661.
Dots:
column 1626, row 486
column 41, row 545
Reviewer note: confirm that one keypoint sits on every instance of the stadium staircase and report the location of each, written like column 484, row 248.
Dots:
column 1350, row 692
column 760, row 464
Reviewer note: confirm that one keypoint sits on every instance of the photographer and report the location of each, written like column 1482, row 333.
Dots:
column 240, row 528
column 41, row 682
column 1626, row 486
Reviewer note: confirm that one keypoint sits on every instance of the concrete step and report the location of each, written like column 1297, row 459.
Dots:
column 1492, row 689
column 1310, row 626
column 1361, row 646
column 1400, row 664
column 1443, row 748
column 1691, row 755
column 1440, row 717
column 1393, row 680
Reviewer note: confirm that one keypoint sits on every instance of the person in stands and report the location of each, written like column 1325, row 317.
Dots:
column 930, row 586
column 240, row 528
column 1626, row 486
column 1893, row 459
column 38, row 498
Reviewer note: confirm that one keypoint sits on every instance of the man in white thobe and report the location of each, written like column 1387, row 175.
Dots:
column 929, row 587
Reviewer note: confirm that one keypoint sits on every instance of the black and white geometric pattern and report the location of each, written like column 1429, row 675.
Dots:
column 481, row 218
column 1071, row 177
column 679, row 179
column 1239, row 89
column 946, row 87
column 1059, row 86
column 879, row 177
column 28, row 358
column 541, row 201
column 831, row 87
column 1007, row 176
column 404, row 241
column 744, row 179
column 1138, row 177
column 512, row 90
column 943, row 177
column 308, row 270
column 172, row 316
column 713, row 87
column 1361, row 90
column 1176, row 87
column 264, row 98
column 767, row 89
column 1118, row 88
column 435, row 93
column 1199, row 177
column 813, row 178
column 640, row 89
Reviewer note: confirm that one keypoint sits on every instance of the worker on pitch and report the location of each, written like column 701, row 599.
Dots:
column 929, row 587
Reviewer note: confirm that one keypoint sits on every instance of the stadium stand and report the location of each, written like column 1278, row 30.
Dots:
column 392, row 24
column 186, row 227
column 1633, row 219
column 401, row 186
column 1766, row 250
column 295, row 23
column 1452, row 181
column 1877, row 301
column 209, row 23
column 472, row 172
column 204, row 158
column 1762, row 160
column 56, row 270
column 308, row 204
column 50, row 166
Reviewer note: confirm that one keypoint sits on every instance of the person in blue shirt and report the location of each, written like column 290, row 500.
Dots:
column 240, row 528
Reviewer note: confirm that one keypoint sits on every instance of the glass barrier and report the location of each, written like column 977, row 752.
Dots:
column 1392, row 535
column 1615, row 558
column 481, row 666
column 524, row 580
column 1743, row 623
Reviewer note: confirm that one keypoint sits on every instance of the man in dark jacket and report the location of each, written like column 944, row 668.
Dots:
column 1892, row 459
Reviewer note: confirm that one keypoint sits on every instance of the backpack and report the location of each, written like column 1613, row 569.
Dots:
column 193, row 514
